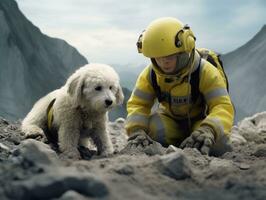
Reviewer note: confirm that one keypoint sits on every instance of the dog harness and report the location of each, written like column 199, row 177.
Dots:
column 49, row 113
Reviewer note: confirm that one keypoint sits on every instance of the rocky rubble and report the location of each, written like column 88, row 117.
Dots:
column 30, row 169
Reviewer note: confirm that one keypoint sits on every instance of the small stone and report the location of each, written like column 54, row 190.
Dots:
column 220, row 168
column 125, row 170
column 154, row 149
column 171, row 149
column 243, row 166
column 175, row 165
column 113, row 140
column 260, row 151
column 4, row 147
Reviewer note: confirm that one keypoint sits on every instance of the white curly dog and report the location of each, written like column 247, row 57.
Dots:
column 79, row 110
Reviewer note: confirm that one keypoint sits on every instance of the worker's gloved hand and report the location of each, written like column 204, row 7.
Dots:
column 202, row 139
column 139, row 138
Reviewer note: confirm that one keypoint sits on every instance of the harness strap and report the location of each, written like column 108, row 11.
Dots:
column 49, row 113
column 156, row 87
column 194, row 82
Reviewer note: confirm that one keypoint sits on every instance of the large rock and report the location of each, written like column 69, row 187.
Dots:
column 35, row 153
column 55, row 184
column 253, row 128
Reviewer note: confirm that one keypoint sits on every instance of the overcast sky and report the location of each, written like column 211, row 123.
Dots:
column 106, row 30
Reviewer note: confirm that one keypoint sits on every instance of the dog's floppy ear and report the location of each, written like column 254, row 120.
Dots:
column 119, row 96
column 75, row 87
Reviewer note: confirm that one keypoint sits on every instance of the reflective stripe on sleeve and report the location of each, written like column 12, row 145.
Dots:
column 143, row 95
column 136, row 118
column 216, row 93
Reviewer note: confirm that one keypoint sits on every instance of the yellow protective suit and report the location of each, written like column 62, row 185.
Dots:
column 170, row 123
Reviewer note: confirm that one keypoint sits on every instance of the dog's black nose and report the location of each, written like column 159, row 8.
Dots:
column 108, row 102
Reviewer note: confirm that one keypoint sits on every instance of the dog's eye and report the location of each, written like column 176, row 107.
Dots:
column 111, row 87
column 98, row 88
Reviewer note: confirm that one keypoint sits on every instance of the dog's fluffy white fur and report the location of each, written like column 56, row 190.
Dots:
column 80, row 110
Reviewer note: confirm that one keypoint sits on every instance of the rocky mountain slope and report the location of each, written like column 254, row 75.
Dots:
column 30, row 169
column 31, row 63
column 245, row 68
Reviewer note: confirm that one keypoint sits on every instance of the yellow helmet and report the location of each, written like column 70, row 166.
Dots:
column 166, row 36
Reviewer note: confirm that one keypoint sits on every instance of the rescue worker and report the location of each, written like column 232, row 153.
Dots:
column 203, row 123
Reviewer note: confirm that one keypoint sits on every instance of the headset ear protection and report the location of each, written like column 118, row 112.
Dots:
column 185, row 38
column 139, row 42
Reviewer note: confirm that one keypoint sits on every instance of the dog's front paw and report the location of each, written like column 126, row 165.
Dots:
column 38, row 135
column 72, row 154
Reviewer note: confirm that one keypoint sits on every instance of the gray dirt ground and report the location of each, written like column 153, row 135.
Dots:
column 29, row 169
